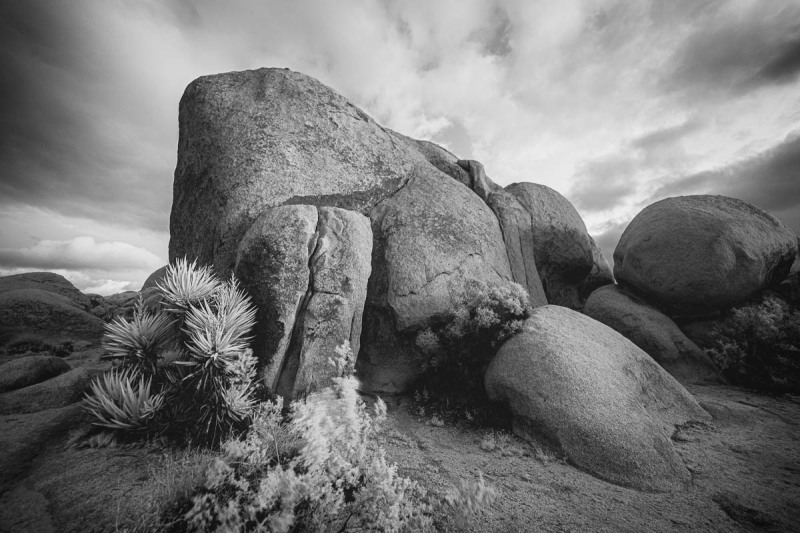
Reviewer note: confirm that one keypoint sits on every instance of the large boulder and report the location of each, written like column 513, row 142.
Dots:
column 46, row 315
column 307, row 270
column 431, row 238
column 652, row 331
column 48, row 282
column 30, row 370
column 692, row 255
column 562, row 246
column 588, row 390
column 255, row 140
column 60, row 391
column 261, row 138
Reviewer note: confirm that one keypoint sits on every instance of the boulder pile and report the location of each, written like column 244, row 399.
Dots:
column 260, row 140
column 681, row 264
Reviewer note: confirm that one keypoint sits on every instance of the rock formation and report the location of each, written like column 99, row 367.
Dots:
column 652, row 331
column 592, row 393
column 252, row 141
column 307, row 270
column 693, row 255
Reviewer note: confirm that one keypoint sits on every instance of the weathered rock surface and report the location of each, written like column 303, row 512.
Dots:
column 515, row 221
column 429, row 239
column 46, row 315
column 591, row 392
column 261, row 138
column 24, row 510
column 23, row 436
column 516, row 226
column 563, row 248
column 30, row 370
column 652, row 331
column 59, row 391
column 307, row 270
column 695, row 254
column 45, row 281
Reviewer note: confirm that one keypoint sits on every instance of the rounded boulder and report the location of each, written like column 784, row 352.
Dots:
column 692, row 255
column 596, row 396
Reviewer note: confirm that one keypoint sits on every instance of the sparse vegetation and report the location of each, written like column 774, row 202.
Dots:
column 761, row 346
column 317, row 469
column 186, row 369
column 462, row 345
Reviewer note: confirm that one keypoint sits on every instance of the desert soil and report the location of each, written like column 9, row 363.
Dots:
column 745, row 466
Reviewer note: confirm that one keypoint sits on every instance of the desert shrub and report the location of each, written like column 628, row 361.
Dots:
column 23, row 344
column 184, row 369
column 62, row 349
column 759, row 347
column 461, row 346
column 317, row 469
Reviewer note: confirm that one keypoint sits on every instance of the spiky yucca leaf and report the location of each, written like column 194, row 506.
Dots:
column 122, row 399
column 140, row 341
column 187, row 283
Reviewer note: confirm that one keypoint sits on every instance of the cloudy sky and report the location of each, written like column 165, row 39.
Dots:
column 615, row 104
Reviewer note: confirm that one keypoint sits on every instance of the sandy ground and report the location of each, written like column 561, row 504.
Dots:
column 745, row 466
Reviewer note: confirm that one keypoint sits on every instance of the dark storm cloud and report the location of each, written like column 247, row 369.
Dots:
column 733, row 49
column 770, row 180
column 60, row 148
column 785, row 66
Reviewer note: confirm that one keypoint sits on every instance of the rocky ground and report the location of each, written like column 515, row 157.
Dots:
column 745, row 466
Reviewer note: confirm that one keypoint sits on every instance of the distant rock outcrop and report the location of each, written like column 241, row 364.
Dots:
column 46, row 315
column 48, row 282
column 592, row 393
column 306, row 269
column 652, row 331
column 693, row 255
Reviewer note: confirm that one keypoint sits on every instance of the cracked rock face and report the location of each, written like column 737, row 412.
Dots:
column 692, row 255
column 588, row 390
column 430, row 238
column 307, row 270
column 515, row 222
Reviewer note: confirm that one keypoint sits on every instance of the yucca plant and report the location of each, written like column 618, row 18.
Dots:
column 194, row 352
column 185, row 284
column 124, row 400
column 140, row 342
